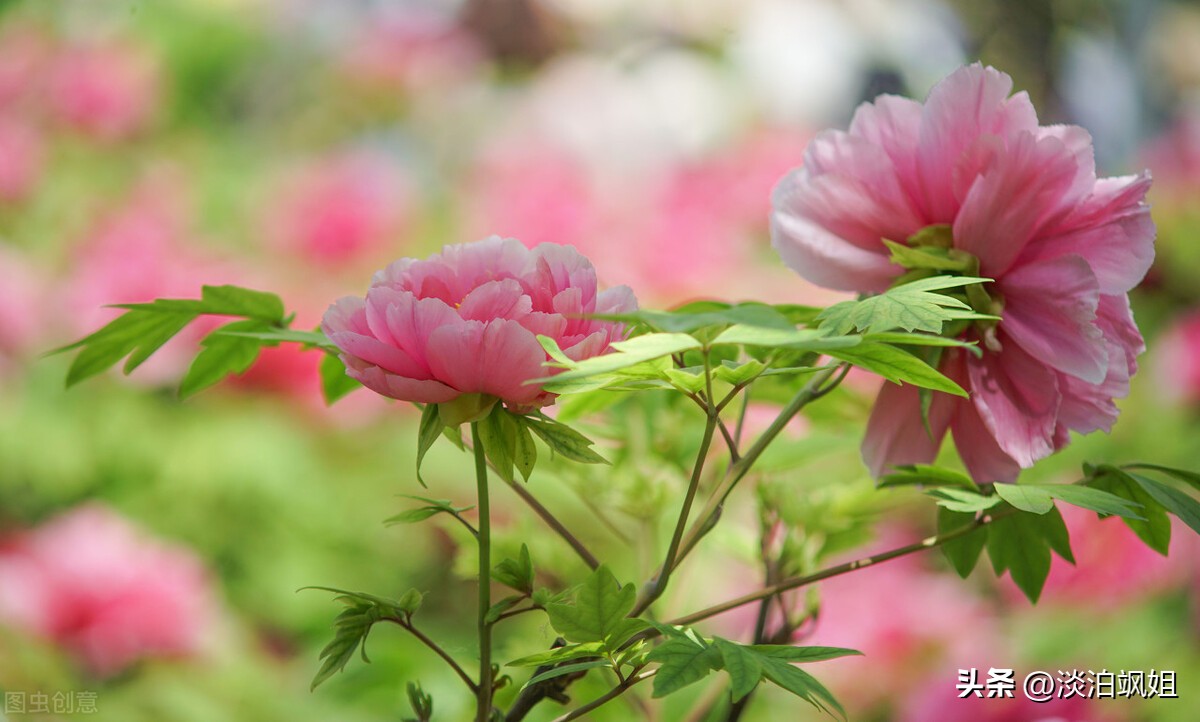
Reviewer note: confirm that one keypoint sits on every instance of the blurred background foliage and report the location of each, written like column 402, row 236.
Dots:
column 298, row 145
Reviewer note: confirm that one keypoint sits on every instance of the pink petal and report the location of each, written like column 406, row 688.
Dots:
column 893, row 124
column 618, row 299
column 969, row 103
column 820, row 256
column 556, row 268
column 410, row 320
column 375, row 352
column 1023, row 188
column 977, row 447
column 851, row 188
column 1050, row 310
column 895, row 435
column 425, row 391
column 496, row 358
column 1017, row 398
column 495, row 299
column 346, row 314
column 1111, row 228
column 1115, row 319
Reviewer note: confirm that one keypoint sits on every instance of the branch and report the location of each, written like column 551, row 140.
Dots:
column 553, row 522
column 607, row 696
column 437, row 650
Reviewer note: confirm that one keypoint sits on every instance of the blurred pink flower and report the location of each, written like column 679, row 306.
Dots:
column 23, row 316
column 909, row 623
column 411, row 49
column 21, row 158
column 1174, row 159
column 104, row 591
column 1063, row 247
column 464, row 322
column 1177, row 360
column 140, row 250
column 338, row 209
column 22, row 62
column 107, row 91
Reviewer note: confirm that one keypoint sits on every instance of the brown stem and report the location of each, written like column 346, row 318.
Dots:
column 408, row 626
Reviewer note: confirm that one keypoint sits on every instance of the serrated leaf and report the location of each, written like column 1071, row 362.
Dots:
column 498, row 433
column 898, row 366
column 352, row 626
column 934, row 258
column 961, row 500
column 685, row 380
column 565, row 441
column 565, row 670
column 335, row 383
column 685, row 660
column 560, row 654
column 1025, row 498
column 420, row 701
column 131, row 333
column 911, row 307
column 742, row 665
column 222, row 356
column 1172, row 499
column 1155, row 528
column 921, row 339
column 926, row 475
column 963, row 552
column 421, row 513
column 430, row 429
column 600, row 605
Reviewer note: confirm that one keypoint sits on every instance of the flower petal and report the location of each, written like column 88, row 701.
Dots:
column 494, row 358
column 1017, row 398
column 1050, row 311
column 427, row 391
column 496, row 299
column 977, row 447
column 895, row 435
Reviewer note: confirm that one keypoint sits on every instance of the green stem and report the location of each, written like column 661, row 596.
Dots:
column 812, row 391
column 483, row 709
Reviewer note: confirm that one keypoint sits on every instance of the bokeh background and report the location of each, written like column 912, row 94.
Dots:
column 151, row 549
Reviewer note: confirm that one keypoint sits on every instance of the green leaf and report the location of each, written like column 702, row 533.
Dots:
column 222, row 355
column 165, row 330
column 897, row 366
column 498, row 433
column 1025, row 498
column 800, row 683
column 421, row 702
column 421, row 513
column 1188, row 477
column 1155, row 528
column 790, row 338
column 131, row 333
column 565, row 441
column 524, row 451
column 961, row 500
column 560, row 654
column 912, row 307
column 1016, row 544
column 743, row 667
column 685, row 660
column 927, row 257
column 626, row 353
column 963, row 552
column 788, row 653
column 335, row 383
column 567, row 669
column 701, row 314
column 354, row 624
column 599, row 609
column 1089, row 498
column 1054, row 531
column 269, row 334
column 502, row 606
column 926, row 475
column 1172, row 499
column 428, row 432
column 516, row 573
column 236, row 301
column 921, row 339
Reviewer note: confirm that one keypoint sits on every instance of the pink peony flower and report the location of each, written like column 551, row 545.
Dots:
column 938, row 701
column 21, row 160
column 1177, row 364
column 95, row 585
column 336, row 209
column 464, row 322
column 107, row 91
column 1063, row 247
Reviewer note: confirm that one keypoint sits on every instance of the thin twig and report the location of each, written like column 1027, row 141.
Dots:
column 408, row 626
column 608, row 696
column 553, row 522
